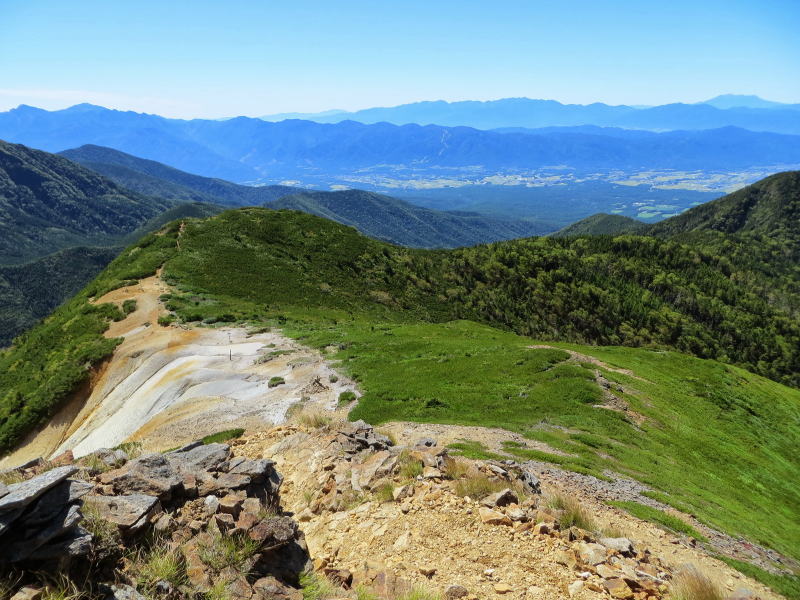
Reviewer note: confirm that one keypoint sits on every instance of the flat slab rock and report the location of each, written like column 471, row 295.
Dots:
column 23, row 493
column 124, row 511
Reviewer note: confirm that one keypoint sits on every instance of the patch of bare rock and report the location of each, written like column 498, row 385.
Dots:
column 354, row 510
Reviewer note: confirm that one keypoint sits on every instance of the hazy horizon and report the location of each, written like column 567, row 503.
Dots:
column 205, row 59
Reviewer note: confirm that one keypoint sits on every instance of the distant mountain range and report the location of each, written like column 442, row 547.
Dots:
column 378, row 216
column 244, row 149
column 748, row 112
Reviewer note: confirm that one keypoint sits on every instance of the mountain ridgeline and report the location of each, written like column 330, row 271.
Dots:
column 248, row 150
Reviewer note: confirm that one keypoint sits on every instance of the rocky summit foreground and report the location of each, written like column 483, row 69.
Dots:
column 357, row 516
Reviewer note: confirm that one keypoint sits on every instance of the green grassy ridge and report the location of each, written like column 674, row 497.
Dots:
column 625, row 290
column 49, row 362
column 720, row 440
column 659, row 517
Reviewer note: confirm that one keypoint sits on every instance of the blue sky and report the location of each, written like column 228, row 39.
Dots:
column 215, row 58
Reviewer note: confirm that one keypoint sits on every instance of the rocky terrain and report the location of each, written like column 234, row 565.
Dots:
column 324, row 509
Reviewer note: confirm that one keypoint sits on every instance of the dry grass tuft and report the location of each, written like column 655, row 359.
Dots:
column 691, row 584
column 574, row 514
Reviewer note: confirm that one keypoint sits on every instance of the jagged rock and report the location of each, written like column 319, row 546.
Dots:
column 622, row 545
column 453, row 592
column 502, row 588
column 206, row 457
column 151, row 474
column 20, row 549
column 22, row 494
column 516, row 514
column 425, row 442
column 501, row 498
column 591, row 554
column 492, row 517
column 209, row 483
column 231, row 504
column 341, row 577
column 617, row 588
column 529, row 480
column 124, row 511
column 53, row 501
column 274, row 532
column 376, row 467
column 121, row 591
column 401, row 492
column 77, row 542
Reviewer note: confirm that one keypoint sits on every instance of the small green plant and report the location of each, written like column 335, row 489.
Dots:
column 223, row 436
column 11, row 477
column 129, row 306
column 474, row 450
column 346, row 398
column 384, row 493
column 648, row 513
column 158, row 563
column 316, row 586
column 228, row 551
column 104, row 533
column 218, row 591
column 276, row 381
column 132, row 449
column 409, row 467
column 455, row 469
column 478, row 485
column 365, row 593
column 574, row 514
column 333, row 378
column 166, row 320
column 691, row 584
column 312, row 418
column 63, row 588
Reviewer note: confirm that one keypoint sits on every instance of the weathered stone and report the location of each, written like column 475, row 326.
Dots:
column 427, row 571
column 566, row 558
column 401, row 492
column 341, row 577
column 606, row 572
column 210, row 483
column 122, row 591
column 247, row 520
column 3, row 489
column 453, row 592
column 622, row 545
column 575, row 587
column 529, row 480
column 591, row 554
column 501, row 498
column 502, row 588
column 274, row 532
column 207, row 457
column 78, row 542
column 617, row 588
column 253, row 468
column 210, row 504
column 53, row 501
column 28, row 593
column 492, row 517
column 431, row 473
column 269, row 588
column 231, row 504
column 21, row 548
column 541, row 529
column 151, row 474
column 516, row 514
column 497, row 470
column 23, row 493
column 224, row 522
column 123, row 511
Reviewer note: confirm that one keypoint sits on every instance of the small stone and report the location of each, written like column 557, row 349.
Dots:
column 453, row 592
column 541, row 529
column 492, row 517
column 502, row 498
column 224, row 522
column 427, row 571
column 516, row 514
column 617, row 588
column 622, row 545
column 123, row 511
column 431, row 473
column 210, row 504
column 502, row 588
column 606, row 572
column 231, row 504
column 591, row 554
column 575, row 587
column 28, row 593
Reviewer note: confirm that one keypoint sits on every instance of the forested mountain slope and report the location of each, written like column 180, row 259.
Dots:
column 399, row 222
column 48, row 202
column 156, row 179
column 602, row 224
